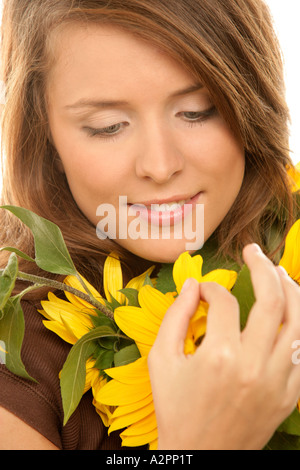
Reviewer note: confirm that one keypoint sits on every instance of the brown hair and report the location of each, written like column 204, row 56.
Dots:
column 229, row 44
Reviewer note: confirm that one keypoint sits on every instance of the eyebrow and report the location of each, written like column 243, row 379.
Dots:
column 86, row 103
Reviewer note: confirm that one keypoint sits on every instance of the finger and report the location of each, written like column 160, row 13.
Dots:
column 289, row 333
column 287, row 348
column 292, row 294
column 174, row 327
column 223, row 319
column 268, row 311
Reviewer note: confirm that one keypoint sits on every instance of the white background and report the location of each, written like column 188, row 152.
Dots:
column 286, row 14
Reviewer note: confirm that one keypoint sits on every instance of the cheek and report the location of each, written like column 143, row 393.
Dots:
column 230, row 165
column 86, row 170
column 220, row 156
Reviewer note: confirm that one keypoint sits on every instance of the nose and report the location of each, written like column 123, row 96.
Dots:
column 158, row 156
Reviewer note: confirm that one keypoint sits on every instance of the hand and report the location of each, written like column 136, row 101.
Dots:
column 238, row 387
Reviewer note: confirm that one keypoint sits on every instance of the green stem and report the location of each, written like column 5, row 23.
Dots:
column 29, row 289
column 84, row 285
column 43, row 281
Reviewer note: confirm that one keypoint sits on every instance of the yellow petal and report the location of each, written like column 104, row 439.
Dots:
column 135, row 372
column 128, row 409
column 113, row 278
column 143, row 426
column 144, row 349
column 297, row 168
column 76, row 326
column 60, row 330
column 92, row 374
column 116, row 394
column 138, row 282
column 131, row 418
column 138, row 440
column 294, row 173
column 189, row 345
column 153, row 445
column 56, row 309
column 291, row 256
column 187, row 266
column 196, row 329
column 64, row 313
column 74, row 282
column 53, row 306
column 104, row 411
column 223, row 277
column 134, row 323
column 199, row 328
column 154, row 303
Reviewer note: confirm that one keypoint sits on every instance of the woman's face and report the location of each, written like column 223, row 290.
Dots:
column 133, row 127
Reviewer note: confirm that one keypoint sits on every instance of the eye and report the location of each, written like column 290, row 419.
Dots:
column 106, row 132
column 198, row 116
column 111, row 129
column 192, row 115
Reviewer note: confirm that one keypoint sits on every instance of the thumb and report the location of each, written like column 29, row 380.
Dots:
column 175, row 324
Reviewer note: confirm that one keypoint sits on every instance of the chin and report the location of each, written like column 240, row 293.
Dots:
column 159, row 251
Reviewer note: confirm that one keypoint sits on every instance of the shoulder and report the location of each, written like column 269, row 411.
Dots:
column 39, row 403
column 43, row 354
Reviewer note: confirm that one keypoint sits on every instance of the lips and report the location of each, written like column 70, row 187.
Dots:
column 167, row 203
column 166, row 213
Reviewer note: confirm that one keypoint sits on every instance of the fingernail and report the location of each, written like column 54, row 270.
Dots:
column 256, row 248
column 282, row 271
column 185, row 286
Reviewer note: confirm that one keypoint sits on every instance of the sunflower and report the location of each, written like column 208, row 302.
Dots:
column 294, row 173
column 291, row 256
column 130, row 387
column 290, row 260
column 73, row 318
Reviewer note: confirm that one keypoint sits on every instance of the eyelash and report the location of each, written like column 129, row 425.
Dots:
column 202, row 116
column 106, row 134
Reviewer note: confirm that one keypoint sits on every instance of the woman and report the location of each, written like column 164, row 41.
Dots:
column 161, row 102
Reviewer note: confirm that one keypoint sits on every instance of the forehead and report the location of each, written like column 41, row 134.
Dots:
column 94, row 55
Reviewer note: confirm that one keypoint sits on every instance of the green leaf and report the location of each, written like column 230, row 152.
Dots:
column 165, row 282
column 107, row 342
column 18, row 252
column 12, row 328
column 8, row 279
column 243, row 291
column 292, row 424
column 73, row 374
column 283, row 441
column 132, row 296
column 102, row 320
column 2, row 352
column 127, row 355
column 147, row 281
column 51, row 253
column 113, row 304
column 210, row 259
column 104, row 359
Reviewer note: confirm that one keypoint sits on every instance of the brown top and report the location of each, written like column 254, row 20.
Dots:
column 39, row 404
